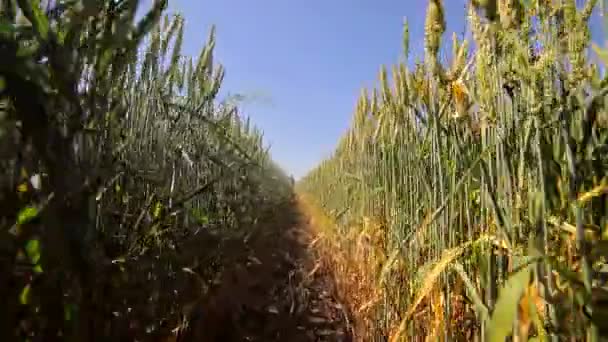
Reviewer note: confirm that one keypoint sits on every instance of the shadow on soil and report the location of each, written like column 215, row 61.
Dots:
column 271, row 290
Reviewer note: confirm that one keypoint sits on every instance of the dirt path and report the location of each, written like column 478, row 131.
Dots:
column 274, row 291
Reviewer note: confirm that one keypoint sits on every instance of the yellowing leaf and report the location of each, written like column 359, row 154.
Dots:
column 430, row 279
column 529, row 305
column 596, row 191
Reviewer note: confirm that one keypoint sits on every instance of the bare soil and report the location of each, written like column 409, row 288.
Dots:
column 273, row 290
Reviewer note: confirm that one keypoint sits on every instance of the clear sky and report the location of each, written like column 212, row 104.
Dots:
column 306, row 61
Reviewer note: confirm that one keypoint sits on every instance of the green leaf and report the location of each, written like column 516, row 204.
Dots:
column 33, row 12
column 105, row 59
column 37, row 269
column 204, row 219
column 26, row 214
column 24, row 297
column 68, row 312
column 32, row 248
column 6, row 28
column 27, row 48
column 501, row 322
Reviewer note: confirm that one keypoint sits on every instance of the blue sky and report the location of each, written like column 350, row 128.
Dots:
column 305, row 61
